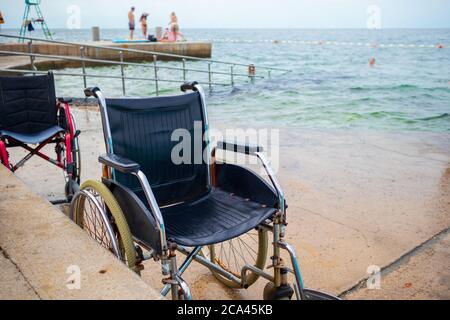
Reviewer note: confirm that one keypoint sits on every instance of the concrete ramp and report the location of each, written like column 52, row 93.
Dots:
column 44, row 255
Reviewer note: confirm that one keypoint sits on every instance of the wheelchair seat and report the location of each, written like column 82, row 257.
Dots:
column 32, row 138
column 28, row 112
column 217, row 217
column 32, row 118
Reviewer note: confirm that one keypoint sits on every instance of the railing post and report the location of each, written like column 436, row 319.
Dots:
column 30, row 51
column 232, row 75
column 155, row 58
column 83, row 66
column 184, row 69
column 209, row 76
column 122, row 72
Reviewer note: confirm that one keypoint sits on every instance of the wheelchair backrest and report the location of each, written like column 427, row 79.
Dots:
column 141, row 130
column 27, row 103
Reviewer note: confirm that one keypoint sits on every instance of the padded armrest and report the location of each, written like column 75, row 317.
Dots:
column 123, row 165
column 241, row 148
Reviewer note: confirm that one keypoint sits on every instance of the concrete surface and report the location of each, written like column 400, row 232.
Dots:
column 13, row 284
column 16, row 62
column 41, row 248
column 356, row 199
column 423, row 274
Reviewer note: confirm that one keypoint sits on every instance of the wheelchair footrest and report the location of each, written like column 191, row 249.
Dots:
column 59, row 201
column 317, row 295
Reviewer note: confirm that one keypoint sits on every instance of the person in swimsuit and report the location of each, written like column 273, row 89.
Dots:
column 131, row 22
column 173, row 18
column 174, row 34
column 143, row 22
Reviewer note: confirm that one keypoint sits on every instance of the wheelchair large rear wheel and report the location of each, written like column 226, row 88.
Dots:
column 76, row 154
column 95, row 210
column 234, row 254
column 73, row 183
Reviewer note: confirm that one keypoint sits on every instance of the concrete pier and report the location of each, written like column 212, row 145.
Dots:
column 40, row 249
column 192, row 49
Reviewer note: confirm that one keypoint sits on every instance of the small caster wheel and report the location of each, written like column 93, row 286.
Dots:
column 284, row 292
column 70, row 189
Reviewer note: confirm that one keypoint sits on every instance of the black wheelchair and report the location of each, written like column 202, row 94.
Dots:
column 217, row 214
column 30, row 114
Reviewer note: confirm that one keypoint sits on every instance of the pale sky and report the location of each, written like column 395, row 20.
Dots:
column 241, row 13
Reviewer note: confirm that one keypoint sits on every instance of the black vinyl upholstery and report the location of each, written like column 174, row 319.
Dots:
column 141, row 131
column 194, row 213
column 217, row 217
column 139, row 218
column 27, row 104
column 32, row 138
column 224, row 213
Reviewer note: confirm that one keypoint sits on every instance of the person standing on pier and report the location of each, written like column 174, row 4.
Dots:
column 131, row 22
column 173, row 18
column 174, row 34
column 143, row 22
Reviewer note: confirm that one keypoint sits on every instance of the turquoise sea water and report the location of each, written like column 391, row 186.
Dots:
column 329, row 86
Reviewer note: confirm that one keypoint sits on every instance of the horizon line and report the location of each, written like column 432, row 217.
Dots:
column 254, row 28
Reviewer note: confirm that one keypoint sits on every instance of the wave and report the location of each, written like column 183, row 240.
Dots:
column 376, row 88
column 401, row 87
column 440, row 116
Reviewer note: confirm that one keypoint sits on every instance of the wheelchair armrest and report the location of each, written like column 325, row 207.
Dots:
column 246, row 148
column 123, row 165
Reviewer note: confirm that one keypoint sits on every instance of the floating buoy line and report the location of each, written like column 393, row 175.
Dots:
column 336, row 43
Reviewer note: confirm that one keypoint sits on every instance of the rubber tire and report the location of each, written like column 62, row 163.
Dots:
column 76, row 153
column 125, row 238
column 263, row 242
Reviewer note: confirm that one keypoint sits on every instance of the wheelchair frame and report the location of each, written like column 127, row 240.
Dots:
column 61, row 139
column 58, row 138
column 277, row 226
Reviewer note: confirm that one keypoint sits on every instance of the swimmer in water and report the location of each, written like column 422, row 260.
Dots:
column 372, row 62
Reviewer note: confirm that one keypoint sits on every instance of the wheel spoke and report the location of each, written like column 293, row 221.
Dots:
column 94, row 224
column 235, row 259
column 242, row 253
column 249, row 249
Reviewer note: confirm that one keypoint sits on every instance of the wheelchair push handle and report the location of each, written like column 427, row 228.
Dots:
column 64, row 100
column 91, row 92
column 192, row 86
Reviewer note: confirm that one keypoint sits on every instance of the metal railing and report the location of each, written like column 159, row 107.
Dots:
column 154, row 67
